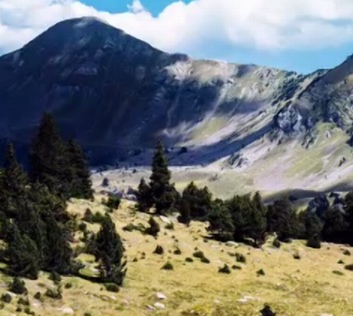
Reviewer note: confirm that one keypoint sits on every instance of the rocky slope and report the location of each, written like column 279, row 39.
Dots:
column 117, row 95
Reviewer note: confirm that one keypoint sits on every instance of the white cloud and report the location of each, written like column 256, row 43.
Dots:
column 261, row 24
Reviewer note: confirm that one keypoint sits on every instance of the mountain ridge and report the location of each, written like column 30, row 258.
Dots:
column 117, row 95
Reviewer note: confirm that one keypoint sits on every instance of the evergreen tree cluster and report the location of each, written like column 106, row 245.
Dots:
column 59, row 165
column 243, row 217
column 34, row 221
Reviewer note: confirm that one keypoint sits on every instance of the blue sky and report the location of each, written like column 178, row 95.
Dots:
column 299, row 35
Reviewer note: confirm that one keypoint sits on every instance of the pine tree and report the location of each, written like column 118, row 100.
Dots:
column 144, row 198
column 163, row 193
column 81, row 184
column 59, row 255
column 282, row 219
column 199, row 201
column 185, row 212
column 110, row 252
column 23, row 254
column 335, row 227
column 313, row 228
column 221, row 222
column 49, row 159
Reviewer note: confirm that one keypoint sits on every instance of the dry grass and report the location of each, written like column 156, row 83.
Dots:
column 292, row 287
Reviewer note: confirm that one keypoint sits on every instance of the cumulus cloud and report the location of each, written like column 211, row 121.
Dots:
column 261, row 24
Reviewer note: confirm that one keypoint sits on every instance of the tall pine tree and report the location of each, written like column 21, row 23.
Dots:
column 110, row 252
column 163, row 193
column 81, row 184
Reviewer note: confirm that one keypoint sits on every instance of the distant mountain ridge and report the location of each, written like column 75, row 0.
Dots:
column 117, row 95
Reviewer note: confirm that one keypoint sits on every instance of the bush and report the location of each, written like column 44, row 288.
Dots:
column 276, row 243
column 346, row 252
column 188, row 259
column 225, row 269
column 313, row 243
column 28, row 311
column 82, row 227
column 266, row 311
column 55, row 277
column 170, row 226
column 131, row 227
column 260, row 272
column 337, row 272
column 68, row 285
column 55, row 294
column 6, row 298
column 235, row 267
column 340, row 261
column 205, row 260
column 198, row 254
column 23, row 301
column 167, row 266
column 38, row 296
column 18, row 286
column 177, row 251
column 113, row 202
column 112, row 287
column 154, row 228
column 349, row 267
column 240, row 258
column 159, row 250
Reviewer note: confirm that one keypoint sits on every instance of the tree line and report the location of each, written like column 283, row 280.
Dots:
column 34, row 222
column 244, row 218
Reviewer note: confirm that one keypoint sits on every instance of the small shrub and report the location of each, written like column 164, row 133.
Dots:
column 55, row 277
column 6, row 298
column 23, row 301
column 177, row 251
column 346, row 252
column 267, row 311
column 113, row 202
column 168, row 266
column 55, row 294
column 38, row 296
column 225, row 269
column 240, row 258
column 135, row 260
column 28, row 311
column 112, row 287
column 260, row 272
column 188, row 259
column 105, row 182
column 276, row 243
column 159, row 250
column 82, row 227
column 198, row 254
column 154, row 228
column 349, row 267
column 313, row 243
column 68, row 285
column 340, row 261
column 296, row 255
column 205, row 260
column 87, row 217
column 337, row 272
column 18, row 286
column 170, row 226
column 235, row 267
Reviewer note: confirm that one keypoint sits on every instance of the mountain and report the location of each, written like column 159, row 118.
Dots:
column 117, row 95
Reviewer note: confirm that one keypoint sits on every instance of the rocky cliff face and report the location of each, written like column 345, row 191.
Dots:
column 117, row 95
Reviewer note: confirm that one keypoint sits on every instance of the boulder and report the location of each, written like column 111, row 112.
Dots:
column 161, row 296
column 159, row 305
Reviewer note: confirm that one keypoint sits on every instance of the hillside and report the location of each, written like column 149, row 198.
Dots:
column 255, row 127
column 307, row 286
